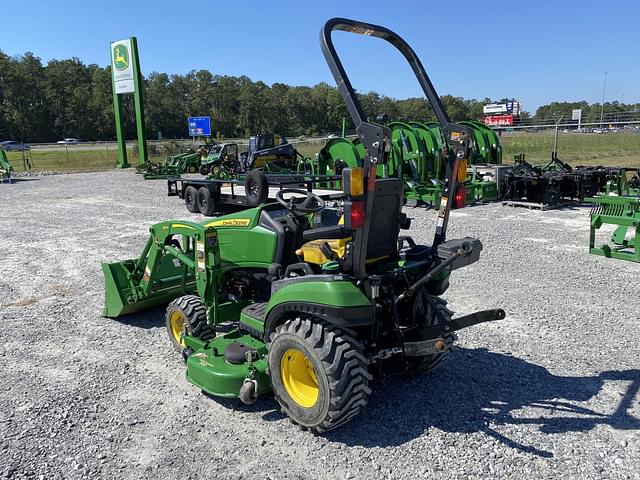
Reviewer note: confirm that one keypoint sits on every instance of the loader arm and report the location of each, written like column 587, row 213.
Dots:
column 179, row 257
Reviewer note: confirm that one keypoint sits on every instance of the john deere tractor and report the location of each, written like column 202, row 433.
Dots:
column 267, row 300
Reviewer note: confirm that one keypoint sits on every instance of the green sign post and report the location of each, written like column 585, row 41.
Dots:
column 126, row 78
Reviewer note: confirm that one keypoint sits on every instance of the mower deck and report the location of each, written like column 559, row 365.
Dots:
column 220, row 366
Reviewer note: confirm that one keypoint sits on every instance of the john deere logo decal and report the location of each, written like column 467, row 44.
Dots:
column 120, row 57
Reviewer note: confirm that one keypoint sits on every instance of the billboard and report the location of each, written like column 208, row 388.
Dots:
column 199, row 126
column 514, row 107
column 494, row 108
column 499, row 120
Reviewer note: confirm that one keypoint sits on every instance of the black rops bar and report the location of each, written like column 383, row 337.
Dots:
column 344, row 85
column 375, row 138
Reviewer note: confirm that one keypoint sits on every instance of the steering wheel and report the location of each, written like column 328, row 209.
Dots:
column 310, row 203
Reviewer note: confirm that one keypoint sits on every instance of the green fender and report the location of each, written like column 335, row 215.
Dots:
column 337, row 301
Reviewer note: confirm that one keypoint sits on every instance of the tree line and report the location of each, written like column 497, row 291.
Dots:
column 67, row 98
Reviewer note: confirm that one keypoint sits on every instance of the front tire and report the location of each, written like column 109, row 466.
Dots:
column 187, row 313
column 318, row 374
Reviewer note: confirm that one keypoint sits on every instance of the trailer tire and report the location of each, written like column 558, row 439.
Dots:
column 318, row 374
column 191, row 199
column 204, row 170
column 187, row 312
column 256, row 188
column 206, row 204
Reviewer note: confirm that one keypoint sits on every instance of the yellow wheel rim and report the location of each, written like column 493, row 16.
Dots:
column 176, row 322
column 299, row 378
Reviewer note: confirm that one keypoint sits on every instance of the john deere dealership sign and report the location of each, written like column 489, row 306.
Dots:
column 122, row 67
column 127, row 79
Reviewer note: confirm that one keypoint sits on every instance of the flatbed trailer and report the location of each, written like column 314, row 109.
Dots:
column 216, row 196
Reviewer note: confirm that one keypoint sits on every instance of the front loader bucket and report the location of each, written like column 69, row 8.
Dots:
column 165, row 270
column 121, row 296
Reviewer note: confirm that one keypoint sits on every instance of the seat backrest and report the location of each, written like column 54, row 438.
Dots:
column 385, row 220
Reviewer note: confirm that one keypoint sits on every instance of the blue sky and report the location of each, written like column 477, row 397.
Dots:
column 536, row 51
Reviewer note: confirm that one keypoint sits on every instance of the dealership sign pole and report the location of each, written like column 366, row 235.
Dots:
column 126, row 78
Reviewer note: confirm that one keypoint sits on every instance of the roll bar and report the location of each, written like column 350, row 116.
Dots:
column 344, row 85
column 376, row 138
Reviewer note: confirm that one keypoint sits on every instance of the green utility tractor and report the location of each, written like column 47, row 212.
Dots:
column 265, row 300
column 5, row 167
column 220, row 159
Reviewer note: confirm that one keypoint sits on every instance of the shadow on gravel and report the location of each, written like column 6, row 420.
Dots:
column 18, row 180
column 149, row 318
column 475, row 390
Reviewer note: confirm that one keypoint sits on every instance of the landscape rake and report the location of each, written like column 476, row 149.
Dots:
column 624, row 212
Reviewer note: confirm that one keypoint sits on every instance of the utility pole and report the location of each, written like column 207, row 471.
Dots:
column 604, row 90
column 554, row 154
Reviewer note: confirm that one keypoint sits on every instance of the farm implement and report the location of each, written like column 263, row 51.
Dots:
column 623, row 182
column 417, row 156
column 5, row 167
column 262, row 299
column 624, row 213
column 556, row 182
column 173, row 166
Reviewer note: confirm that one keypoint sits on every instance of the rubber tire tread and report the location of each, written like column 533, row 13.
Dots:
column 345, row 367
column 442, row 315
column 260, row 180
column 196, row 316
column 191, row 199
column 206, row 204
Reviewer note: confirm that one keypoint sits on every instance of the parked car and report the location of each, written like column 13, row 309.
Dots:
column 69, row 141
column 13, row 146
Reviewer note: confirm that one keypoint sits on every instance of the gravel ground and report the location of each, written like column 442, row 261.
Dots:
column 550, row 392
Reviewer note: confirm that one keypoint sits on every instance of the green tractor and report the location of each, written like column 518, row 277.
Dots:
column 267, row 300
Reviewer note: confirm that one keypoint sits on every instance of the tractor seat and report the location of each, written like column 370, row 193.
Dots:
column 331, row 241
column 324, row 242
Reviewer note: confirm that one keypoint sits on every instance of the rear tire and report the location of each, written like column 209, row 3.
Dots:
column 206, row 204
column 191, row 199
column 192, row 169
column 432, row 311
column 187, row 313
column 318, row 374
column 204, row 170
column 256, row 188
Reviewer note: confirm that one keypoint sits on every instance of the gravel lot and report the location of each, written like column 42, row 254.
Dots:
column 550, row 392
